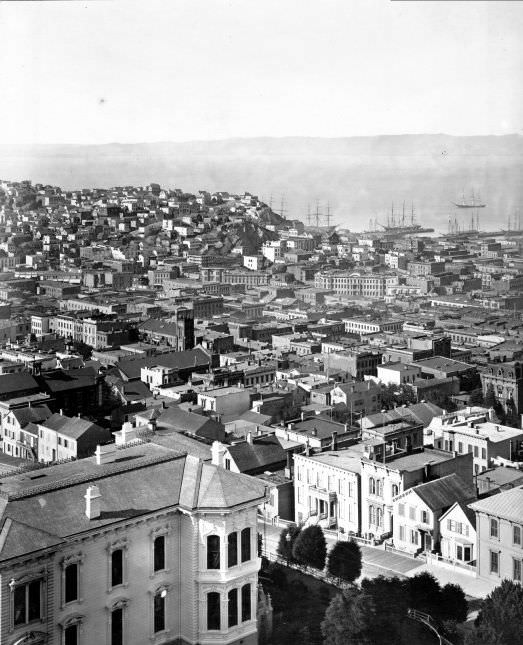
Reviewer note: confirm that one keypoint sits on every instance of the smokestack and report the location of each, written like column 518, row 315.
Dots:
column 92, row 502
column 334, row 441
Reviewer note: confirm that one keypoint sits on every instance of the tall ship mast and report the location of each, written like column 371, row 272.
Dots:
column 475, row 202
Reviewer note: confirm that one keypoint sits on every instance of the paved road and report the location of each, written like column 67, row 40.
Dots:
column 375, row 561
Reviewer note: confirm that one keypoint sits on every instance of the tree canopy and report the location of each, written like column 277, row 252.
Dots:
column 500, row 621
column 345, row 621
column 310, row 547
column 288, row 536
column 345, row 561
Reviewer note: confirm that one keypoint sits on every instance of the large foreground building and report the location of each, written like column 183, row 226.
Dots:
column 136, row 545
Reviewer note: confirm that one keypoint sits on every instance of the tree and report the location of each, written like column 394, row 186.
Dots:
column 452, row 603
column 389, row 603
column 345, row 620
column 345, row 561
column 490, row 398
column 500, row 621
column 423, row 592
column 288, row 536
column 476, row 397
column 310, row 547
column 512, row 417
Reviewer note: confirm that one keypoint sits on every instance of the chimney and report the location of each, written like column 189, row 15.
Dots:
column 288, row 467
column 92, row 502
column 249, row 438
column 61, row 412
column 334, row 441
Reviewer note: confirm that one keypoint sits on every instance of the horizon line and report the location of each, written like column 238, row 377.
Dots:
column 263, row 137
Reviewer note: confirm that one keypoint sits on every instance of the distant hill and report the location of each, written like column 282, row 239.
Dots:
column 359, row 176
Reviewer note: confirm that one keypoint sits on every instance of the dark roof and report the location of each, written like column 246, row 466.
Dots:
column 263, row 452
column 196, row 424
column 442, row 493
column 178, row 360
column 13, row 383
column 33, row 414
column 62, row 380
column 74, row 427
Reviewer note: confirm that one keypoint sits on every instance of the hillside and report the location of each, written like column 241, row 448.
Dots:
column 359, row 176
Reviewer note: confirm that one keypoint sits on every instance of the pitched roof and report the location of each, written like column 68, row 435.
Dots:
column 508, row 504
column 443, row 492
column 263, row 452
column 177, row 419
column 33, row 414
column 42, row 508
column 73, row 427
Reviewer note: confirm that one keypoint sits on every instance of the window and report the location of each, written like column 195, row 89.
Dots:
column 117, row 626
column 401, row 509
column 71, row 582
column 372, row 486
column 117, row 567
column 232, row 550
column 213, row 552
column 159, row 553
column 516, row 534
column 232, row 599
column 413, row 536
column 402, row 533
column 516, row 570
column 459, row 552
column 483, row 453
column 395, row 491
column 246, row 545
column 159, row 611
column 246, row 602
column 494, row 562
column 412, row 513
column 71, row 635
column 476, row 451
column 424, row 517
column 227, row 463
column 379, row 516
column 460, row 447
column 213, row 610
column 372, row 515
column 27, row 602
column 493, row 528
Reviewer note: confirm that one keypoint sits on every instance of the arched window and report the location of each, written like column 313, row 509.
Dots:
column 372, row 515
column 232, row 549
column 395, row 490
column 232, row 600
column 379, row 517
column 246, row 544
column 213, row 610
column 372, row 486
column 213, row 552
column 379, row 487
column 246, row 602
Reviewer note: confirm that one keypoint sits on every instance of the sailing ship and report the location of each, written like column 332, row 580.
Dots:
column 475, row 202
column 400, row 225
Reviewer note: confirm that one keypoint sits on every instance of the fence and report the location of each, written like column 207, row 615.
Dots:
column 433, row 559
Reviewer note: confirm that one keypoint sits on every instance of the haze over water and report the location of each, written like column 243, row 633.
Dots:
column 359, row 177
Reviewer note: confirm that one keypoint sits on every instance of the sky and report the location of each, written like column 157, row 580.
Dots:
column 178, row 70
